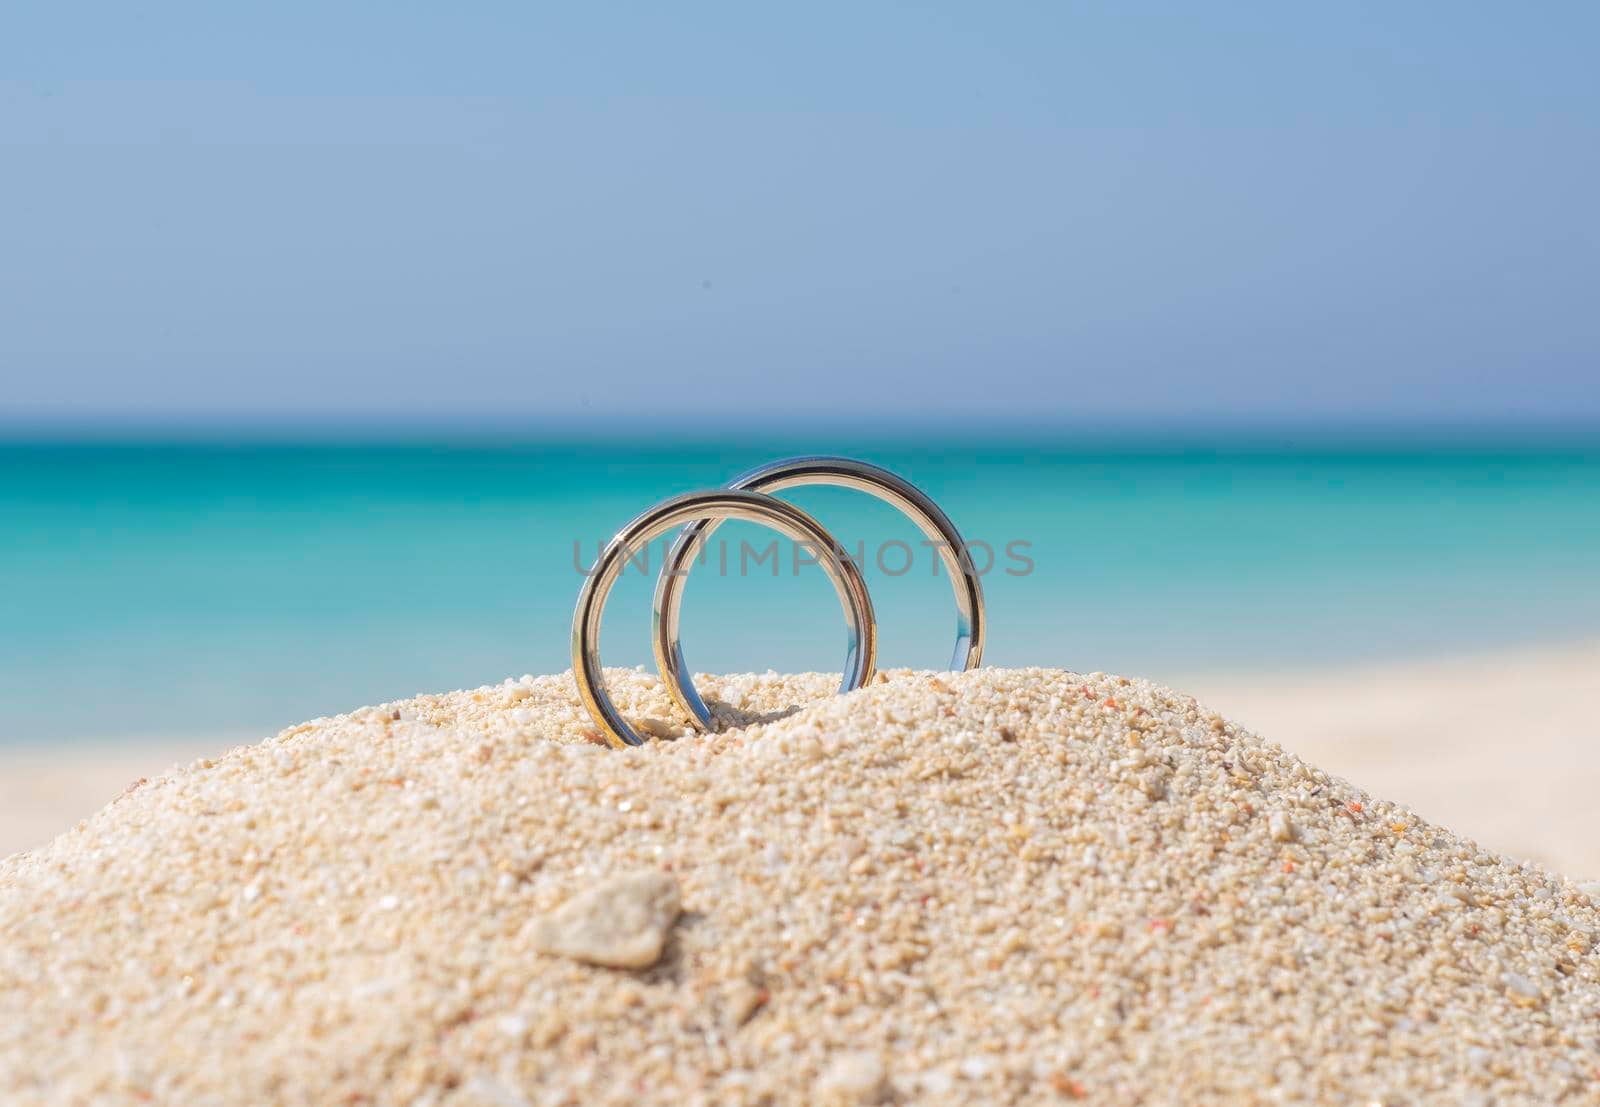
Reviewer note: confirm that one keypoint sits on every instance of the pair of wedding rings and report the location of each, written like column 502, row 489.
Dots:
column 750, row 497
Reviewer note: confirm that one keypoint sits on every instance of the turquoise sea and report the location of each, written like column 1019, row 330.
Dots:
column 162, row 588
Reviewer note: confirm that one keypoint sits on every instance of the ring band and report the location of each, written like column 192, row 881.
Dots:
column 791, row 473
column 714, row 507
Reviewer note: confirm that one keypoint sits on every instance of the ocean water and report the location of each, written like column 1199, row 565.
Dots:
column 154, row 588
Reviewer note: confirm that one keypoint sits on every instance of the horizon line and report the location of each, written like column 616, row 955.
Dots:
column 418, row 428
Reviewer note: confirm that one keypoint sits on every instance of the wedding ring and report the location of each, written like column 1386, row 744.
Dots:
column 713, row 507
column 791, row 473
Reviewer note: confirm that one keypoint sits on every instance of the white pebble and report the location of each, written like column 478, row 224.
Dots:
column 856, row 1077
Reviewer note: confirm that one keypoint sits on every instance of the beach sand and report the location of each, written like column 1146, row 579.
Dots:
column 996, row 886
column 45, row 790
column 1502, row 746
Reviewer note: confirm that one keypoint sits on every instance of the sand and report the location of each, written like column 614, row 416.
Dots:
column 46, row 788
column 999, row 886
column 1503, row 746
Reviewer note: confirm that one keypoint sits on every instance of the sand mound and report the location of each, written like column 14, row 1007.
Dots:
column 998, row 886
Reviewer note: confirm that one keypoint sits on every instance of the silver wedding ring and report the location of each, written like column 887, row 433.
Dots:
column 723, row 503
column 749, row 497
column 845, row 472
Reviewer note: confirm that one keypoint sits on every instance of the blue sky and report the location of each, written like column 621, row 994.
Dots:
column 1052, row 211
